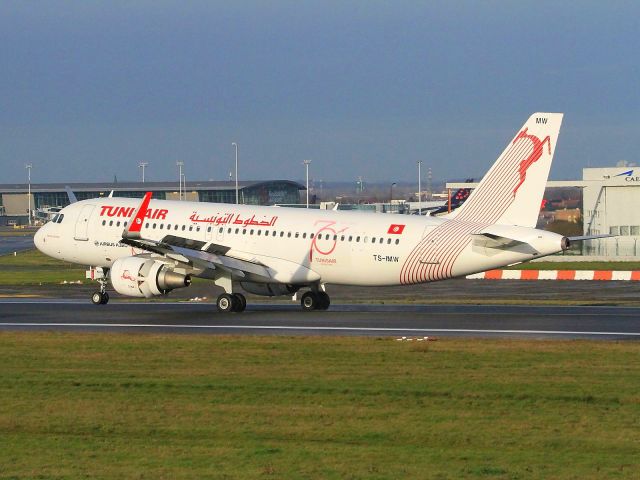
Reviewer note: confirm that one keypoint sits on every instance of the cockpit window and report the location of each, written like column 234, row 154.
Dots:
column 55, row 218
column 58, row 218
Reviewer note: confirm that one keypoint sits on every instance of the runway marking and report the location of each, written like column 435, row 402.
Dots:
column 302, row 328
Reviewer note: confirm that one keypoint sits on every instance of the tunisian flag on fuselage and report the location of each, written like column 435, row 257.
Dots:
column 395, row 229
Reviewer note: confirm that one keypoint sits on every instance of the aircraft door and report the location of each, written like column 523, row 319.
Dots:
column 82, row 223
column 220, row 234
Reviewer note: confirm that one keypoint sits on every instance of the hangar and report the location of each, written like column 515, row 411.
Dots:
column 15, row 199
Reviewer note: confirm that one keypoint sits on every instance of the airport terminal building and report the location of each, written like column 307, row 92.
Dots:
column 15, row 199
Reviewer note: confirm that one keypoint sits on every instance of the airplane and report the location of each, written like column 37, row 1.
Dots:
column 148, row 248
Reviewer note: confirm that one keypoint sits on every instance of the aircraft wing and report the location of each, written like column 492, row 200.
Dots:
column 202, row 255
column 205, row 256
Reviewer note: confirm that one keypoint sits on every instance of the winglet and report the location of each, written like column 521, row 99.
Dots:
column 135, row 225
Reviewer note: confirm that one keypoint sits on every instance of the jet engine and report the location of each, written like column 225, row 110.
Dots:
column 144, row 277
column 269, row 289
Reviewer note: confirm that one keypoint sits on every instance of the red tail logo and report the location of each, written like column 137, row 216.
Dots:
column 533, row 157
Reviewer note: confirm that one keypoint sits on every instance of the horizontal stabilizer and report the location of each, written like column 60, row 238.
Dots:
column 582, row 238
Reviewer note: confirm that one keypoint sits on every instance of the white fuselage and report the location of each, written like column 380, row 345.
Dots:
column 352, row 248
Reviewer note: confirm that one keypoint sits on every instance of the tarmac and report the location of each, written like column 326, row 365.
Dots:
column 486, row 321
column 10, row 244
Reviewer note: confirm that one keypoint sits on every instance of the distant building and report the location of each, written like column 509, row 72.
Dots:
column 14, row 199
column 610, row 201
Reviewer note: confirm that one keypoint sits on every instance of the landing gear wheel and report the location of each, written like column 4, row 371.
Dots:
column 241, row 302
column 323, row 301
column 226, row 303
column 100, row 298
column 309, row 301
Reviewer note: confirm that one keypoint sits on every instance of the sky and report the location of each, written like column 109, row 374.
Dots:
column 363, row 88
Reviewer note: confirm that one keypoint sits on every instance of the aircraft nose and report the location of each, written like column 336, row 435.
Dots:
column 39, row 239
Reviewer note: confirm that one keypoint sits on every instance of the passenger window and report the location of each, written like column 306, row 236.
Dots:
column 311, row 236
column 228, row 230
column 208, row 228
column 220, row 231
column 274, row 233
column 183, row 228
column 154, row 225
column 244, row 231
column 198, row 228
column 118, row 223
column 146, row 225
column 373, row 239
column 289, row 235
column 342, row 238
column 251, row 232
column 350, row 237
column 125, row 223
column 304, row 235
column 381, row 240
column 259, row 232
column 104, row 222
column 162, row 226
column 388, row 241
column 397, row 241
column 297, row 234
column 175, row 227
column 335, row 237
column 191, row 228
column 111, row 223
column 281, row 234
column 237, row 230
column 168, row 226
column 358, row 238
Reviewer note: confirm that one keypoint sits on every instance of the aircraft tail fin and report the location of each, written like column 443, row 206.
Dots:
column 511, row 192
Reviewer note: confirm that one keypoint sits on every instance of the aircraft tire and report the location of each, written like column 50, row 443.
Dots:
column 98, row 298
column 105, row 298
column 226, row 303
column 241, row 302
column 323, row 301
column 309, row 301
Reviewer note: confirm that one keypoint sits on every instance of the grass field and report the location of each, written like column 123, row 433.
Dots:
column 34, row 268
column 150, row 406
column 577, row 266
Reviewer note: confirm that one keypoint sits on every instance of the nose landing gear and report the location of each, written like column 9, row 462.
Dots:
column 100, row 298
column 98, row 274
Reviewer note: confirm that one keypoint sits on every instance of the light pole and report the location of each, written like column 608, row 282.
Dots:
column 180, row 165
column 28, row 167
column 143, row 165
column 306, row 166
column 419, row 188
column 391, row 194
column 236, row 147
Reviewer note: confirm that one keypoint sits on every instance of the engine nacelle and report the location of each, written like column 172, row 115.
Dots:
column 269, row 289
column 144, row 277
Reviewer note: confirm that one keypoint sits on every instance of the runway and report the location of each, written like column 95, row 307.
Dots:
column 587, row 322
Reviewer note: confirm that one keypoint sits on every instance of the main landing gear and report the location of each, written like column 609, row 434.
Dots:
column 315, row 301
column 231, row 302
